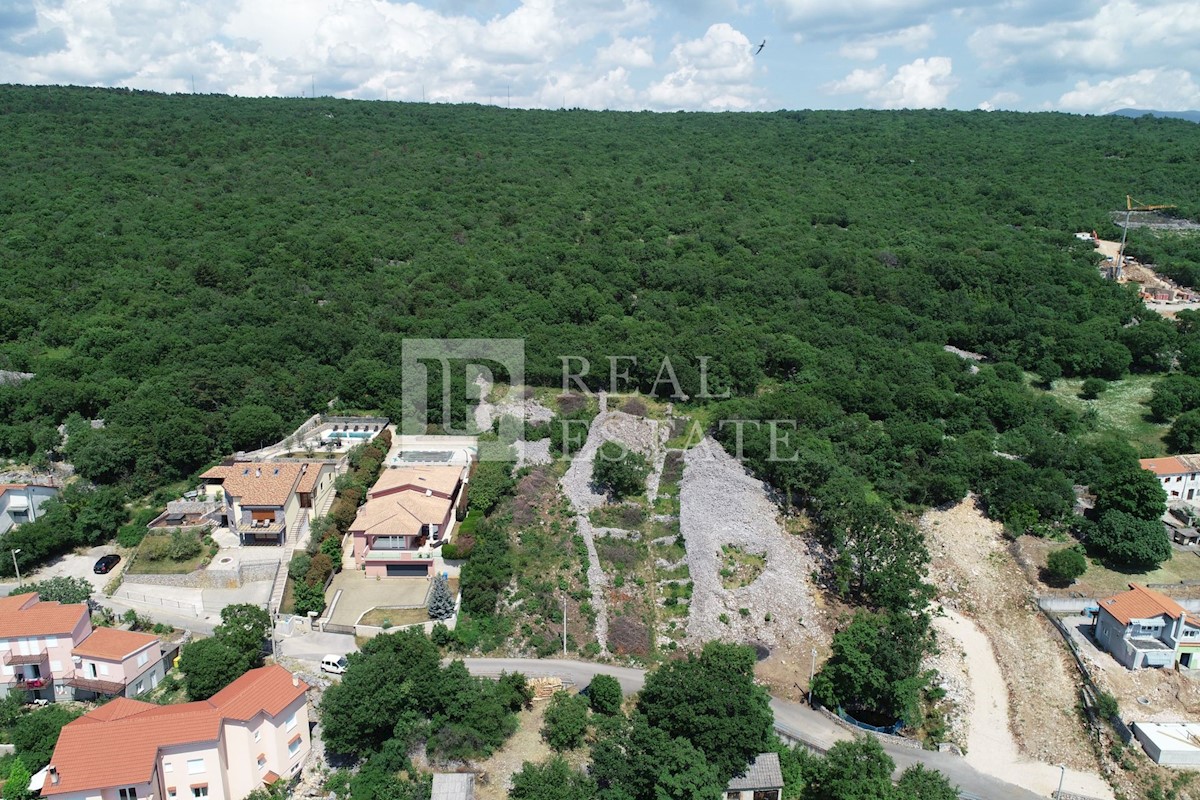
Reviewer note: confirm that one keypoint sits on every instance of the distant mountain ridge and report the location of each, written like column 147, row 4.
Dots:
column 1190, row 116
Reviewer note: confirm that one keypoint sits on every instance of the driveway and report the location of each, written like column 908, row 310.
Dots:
column 360, row 594
column 79, row 565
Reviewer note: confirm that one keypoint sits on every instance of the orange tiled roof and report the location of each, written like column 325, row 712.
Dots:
column 1140, row 603
column 400, row 514
column 118, row 743
column 308, row 476
column 1171, row 465
column 257, row 483
column 110, row 644
column 21, row 617
column 4, row 487
column 439, row 479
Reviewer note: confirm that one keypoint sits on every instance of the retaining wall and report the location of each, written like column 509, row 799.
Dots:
column 211, row 578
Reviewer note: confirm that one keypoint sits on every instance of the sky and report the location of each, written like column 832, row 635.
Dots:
column 1081, row 56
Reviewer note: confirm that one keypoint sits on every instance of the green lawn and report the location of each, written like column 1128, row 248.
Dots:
column 1122, row 410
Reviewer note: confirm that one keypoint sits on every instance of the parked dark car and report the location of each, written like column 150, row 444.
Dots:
column 106, row 563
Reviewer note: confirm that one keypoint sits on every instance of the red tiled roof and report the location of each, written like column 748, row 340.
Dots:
column 110, row 644
column 257, row 483
column 20, row 617
column 5, row 487
column 118, row 743
column 1140, row 603
column 308, row 476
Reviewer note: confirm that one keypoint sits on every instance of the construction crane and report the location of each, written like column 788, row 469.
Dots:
column 1129, row 209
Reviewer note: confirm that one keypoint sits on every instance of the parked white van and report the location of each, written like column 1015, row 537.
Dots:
column 334, row 664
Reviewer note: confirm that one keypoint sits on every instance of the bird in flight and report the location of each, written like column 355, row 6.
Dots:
column 760, row 47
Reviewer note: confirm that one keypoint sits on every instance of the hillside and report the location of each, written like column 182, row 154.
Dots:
column 203, row 271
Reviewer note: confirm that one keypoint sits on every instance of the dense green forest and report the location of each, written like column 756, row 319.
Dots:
column 202, row 272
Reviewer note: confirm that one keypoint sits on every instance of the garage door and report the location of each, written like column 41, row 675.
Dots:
column 407, row 570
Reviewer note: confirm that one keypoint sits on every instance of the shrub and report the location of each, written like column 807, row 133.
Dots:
column 319, row 570
column 566, row 721
column 604, row 695
column 1064, row 566
column 441, row 601
column 1092, row 388
column 620, row 470
column 299, row 566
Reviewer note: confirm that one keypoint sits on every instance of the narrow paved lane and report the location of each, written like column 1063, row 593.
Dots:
column 791, row 719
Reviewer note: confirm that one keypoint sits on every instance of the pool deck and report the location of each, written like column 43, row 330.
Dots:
column 448, row 449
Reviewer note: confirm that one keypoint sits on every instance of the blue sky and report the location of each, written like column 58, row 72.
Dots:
column 1086, row 56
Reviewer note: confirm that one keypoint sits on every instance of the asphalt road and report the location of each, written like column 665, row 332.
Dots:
column 791, row 719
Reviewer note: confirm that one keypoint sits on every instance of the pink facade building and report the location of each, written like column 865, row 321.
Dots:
column 50, row 652
column 409, row 514
column 251, row 734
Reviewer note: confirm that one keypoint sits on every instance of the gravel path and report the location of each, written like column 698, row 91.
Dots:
column 721, row 504
column 637, row 434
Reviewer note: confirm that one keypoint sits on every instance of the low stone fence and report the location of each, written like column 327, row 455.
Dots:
column 886, row 737
column 371, row 631
column 211, row 578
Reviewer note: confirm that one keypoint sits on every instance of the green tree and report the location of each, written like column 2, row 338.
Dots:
column 253, row 426
column 1141, row 544
column 17, row 785
column 490, row 483
column 634, row 759
column 441, row 602
column 62, row 589
column 876, row 666
column 1133, row 491
column 854, row 770
column 919, row 783
column 604, row 695
column 553, row 780
column 566, row 721
column 35, row 733
column 1065, row 565
column 1184, row 434
column 244, row 629
column 712, row 701
column 209, row 666
column 620, row 470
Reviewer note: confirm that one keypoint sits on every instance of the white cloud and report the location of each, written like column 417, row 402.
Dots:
column 1113, row 37
column 1162, row 89
column 812, row 18
column 915, row 37
column 713, row 72
column 924, row 83
column 635, row 52
column 1000, row 100
column 858, row 82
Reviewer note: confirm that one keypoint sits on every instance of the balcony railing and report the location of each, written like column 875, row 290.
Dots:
column 15, row 659
column 423, row 554
column 95, row 684
column 33, row 684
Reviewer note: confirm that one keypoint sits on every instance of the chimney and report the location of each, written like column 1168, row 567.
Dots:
column 53, row 775
column 429, row 492
column 295, row 681
column 257, row 472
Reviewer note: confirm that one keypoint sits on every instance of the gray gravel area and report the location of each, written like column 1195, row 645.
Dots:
column 720, row 503
column 639, row 435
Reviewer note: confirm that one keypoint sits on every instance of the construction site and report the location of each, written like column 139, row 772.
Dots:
column 1157, row 291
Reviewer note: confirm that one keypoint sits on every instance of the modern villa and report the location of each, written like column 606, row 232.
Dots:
column 266, row 501
column 409, row 513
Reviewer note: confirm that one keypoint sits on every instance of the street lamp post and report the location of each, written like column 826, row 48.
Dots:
column 16, row 569
column 1062, row 773
column 812, row 671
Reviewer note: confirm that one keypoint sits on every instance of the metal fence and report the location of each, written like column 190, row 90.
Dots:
column 149, row 599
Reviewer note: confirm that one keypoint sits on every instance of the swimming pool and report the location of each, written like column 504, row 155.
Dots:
column 348, row 434
column 425, row 457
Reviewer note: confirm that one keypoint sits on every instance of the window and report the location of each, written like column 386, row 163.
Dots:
column 262, row 762
column 294, row 746
column 141, row 687
column 127, row 794
column 257, row 735
column 143, row 658
column 291, row 723
column 171, row 792
column 195, row 766
column 200, row 791
column 168, row 767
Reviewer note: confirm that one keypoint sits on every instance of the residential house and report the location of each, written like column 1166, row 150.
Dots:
column 36, row 640
column 1172, row 744
column 251, row 734
column 1179, row 475
column 116, row 662
column 408, row 515
column 22, row 502
column 51, row 652
column 266, row 500
column 761, row 780
column 1141, row 628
